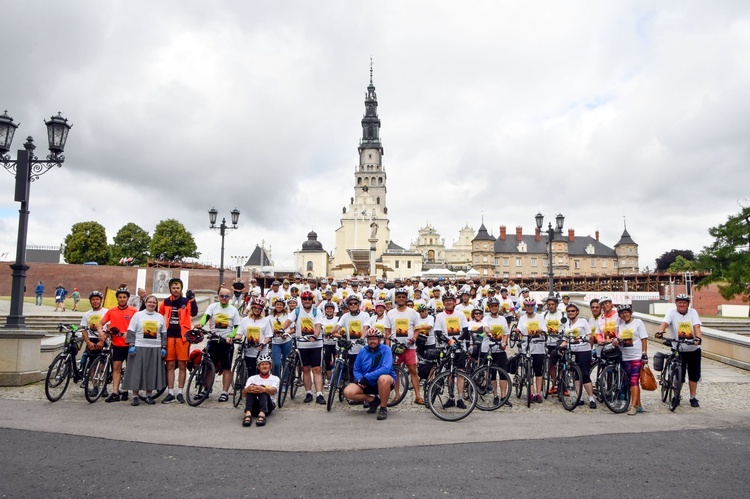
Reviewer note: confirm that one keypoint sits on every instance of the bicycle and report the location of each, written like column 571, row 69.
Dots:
column 100, row 373
column 201, row 380
column 291, row 373
column 524, row 376
column 340, row 371
column 613, row 384
column 239, row 371
column 671, row 379
column 487, row 377
column 64, row 365
column 442, row 390
column 568, row 376
column 402, row 373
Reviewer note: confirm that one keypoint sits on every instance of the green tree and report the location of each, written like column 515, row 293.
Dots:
column 87, row 242
column 728, row 258
column 130, row 241
column 681, row 265
column 668, row 258
column 171, row 241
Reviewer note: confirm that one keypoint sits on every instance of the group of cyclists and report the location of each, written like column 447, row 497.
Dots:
column 384, row 325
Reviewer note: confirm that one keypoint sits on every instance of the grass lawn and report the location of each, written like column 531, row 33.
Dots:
column 83, row 305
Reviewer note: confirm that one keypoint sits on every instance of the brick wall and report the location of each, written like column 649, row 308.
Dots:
column 90, row 277
column 706, row 301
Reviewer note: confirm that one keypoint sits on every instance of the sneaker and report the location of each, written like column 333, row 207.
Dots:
column 538, row 398
column 105, row 393
column 581, row 402
column 180, row 398
column 450, row 403
column 374, row 406
column 112, row 398
column 592, row 404
column 168, row 399
column 327, row 384
column 676, row 401
column 508, row 403
column 124, row 396
column 354, row 402
column 552, row 391
column 382, row 414
column 460, row 404
column 136, row 402
column 496, row 401
column 320, row 400
column 308, row 398
column 149, row 400
column 694, row 402
column 366, row 405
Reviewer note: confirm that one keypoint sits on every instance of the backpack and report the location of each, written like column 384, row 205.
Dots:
column 296, row 313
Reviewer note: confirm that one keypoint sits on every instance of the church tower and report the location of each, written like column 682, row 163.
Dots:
column 366, row 217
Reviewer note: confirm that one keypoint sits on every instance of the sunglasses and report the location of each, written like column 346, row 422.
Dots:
column 571, row 311
column 223, row 296
column 306, row 299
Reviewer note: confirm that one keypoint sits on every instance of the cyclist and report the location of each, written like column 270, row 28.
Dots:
column 260, row 393
column 514, row 290
column 424, row 329
column 281, row 345
column 578, row 330
column 507, row 307
column 311, row 351
column 596, row 311
column 324, row 327
column 437, row 302
column 685, row 324
column 632, row 339
column 417, row 294
column 530, row 325
column 223, row 319
column 520, row 308
column 147, row 337
column 327, row 298
column 354, row 325
column 238, row 288
column 380, row 321
column 453, row 324
column 274, row 294
column 555, row 320
column 93, row 336
column 117, row 320
column 375, row 376
column 403, row 320
column 496, row 326
column 466, row 306
column 257, row 330
column 606, row 325
column 178, row 312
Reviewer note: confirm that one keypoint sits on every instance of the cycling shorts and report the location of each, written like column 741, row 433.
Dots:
column 119, row 354
column 311, row 357
column 373, row 389
column 691, row 361
column 221, row 355
column 500, row 359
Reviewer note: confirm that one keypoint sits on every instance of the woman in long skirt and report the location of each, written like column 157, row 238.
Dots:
column 147, row 339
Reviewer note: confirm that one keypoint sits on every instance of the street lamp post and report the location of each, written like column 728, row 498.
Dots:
column 559, row 221
column 223, row 228
column 27, row 168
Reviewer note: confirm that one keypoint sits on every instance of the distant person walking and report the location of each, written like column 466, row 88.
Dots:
column 60, row 294
column 76, row 298
column 39, row 293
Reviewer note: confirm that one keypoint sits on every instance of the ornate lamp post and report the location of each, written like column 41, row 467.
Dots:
column 559, row 221
column 27, row 168
column 223, row 228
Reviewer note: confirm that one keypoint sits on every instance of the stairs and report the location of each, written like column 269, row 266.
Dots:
column 48, row 323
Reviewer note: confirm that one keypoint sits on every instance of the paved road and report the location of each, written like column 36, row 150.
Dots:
column 714, row 464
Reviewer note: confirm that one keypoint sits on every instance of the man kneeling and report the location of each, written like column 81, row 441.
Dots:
column 375, row 375
column 260, row 392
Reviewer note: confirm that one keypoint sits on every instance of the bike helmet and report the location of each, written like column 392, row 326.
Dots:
column 194, row 336
column 491, row 290
column 401, row 291
column 96, row 294
column 329, row 304
column 194, row 359
column 352, row 299
column 122, row 291
column 258, row 302
column 477, row 309
column 604, row 299
column 379, row 304
column 524, row 290
column 307, row 294
column 552, row 298
column 264, row 357
column 492, row 301
column 449, row 296
column 573, row 305
column 420, row 307
column 373, row 332
column 529, row 302
column 624, row 308
column 503, row 290
column 682, row 297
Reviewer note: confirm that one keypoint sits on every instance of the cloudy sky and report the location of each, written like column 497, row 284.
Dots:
column 502, row 109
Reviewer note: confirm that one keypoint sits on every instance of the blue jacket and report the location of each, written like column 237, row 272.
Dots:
column 363, row 365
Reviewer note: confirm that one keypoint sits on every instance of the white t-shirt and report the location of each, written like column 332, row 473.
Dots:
column 577, row 331
column 354, row 327
column 147, row 329
column 272, row 296
column 322, row 307
column 429, row 321
column 681, row 326
column 530, row 325
column 514, row 293
column 276, row 323
column 402, row 324
column 326, row 327
column 270, row 381
column 381, row 324
column 452, row 325
column 498, row 327
column 554, row 322
column 382, row 294
column 630, row 336
column 304, row 327
column 222, row 320
column 465, row 309
column 91, row 319
column 256, row 332
column 436, row 304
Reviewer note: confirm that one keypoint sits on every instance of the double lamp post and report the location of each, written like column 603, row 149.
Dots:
column 213, row 213
column 559, row 221
column 27, row 168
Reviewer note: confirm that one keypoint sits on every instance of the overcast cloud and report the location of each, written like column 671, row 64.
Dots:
column 598, row 110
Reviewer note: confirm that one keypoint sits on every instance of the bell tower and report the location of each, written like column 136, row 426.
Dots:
column 370, row 175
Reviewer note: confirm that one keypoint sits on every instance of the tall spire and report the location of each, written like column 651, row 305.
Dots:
column 370, row 70
column 370, row 121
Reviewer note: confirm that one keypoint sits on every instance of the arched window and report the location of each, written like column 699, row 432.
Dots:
column 309, row 265
column 378, row 199
column 431, row 256
column 380, row 180
column 359, row 180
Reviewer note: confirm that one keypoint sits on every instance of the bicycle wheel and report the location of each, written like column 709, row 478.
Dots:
column 529, row 369
column 595, row 381
column 570, row 387
column 333, row 387
column 287, row 380
column 195, row 391
column 402, row 386
column 239, row 377
column 488, row 381
column 58, row 378
column 519, row 378
column 664, row 381
column 297, row 378
column 96, row 379
column 444, row 395
column 615, row 387
column 675, row 387
column 546, row 380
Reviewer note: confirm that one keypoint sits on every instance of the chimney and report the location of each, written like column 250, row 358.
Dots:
column 537, row 235
column 502, row 232
column 571, row 235
column 597, row 235
column 519, row 233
